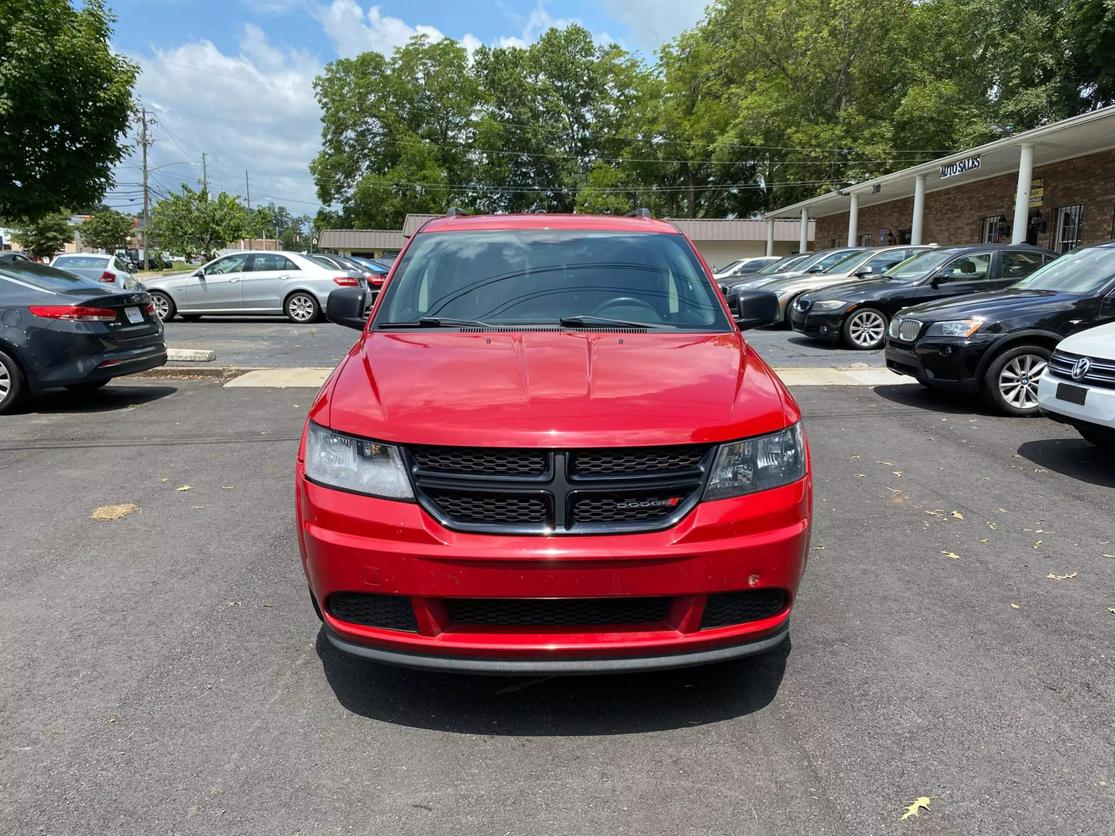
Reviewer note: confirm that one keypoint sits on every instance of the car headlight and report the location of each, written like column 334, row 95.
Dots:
column 829, row 305
column 758, row 464
column 356, row 464
column 954, row 328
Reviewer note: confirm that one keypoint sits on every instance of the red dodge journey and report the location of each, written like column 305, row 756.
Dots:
column 552, row 451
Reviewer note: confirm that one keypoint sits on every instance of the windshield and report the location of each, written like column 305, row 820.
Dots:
column 1084, row 271
column 784, row 264
column 43, row 277
column 918, row 266
column 81, row 261
column 540, row 276
column 820, row 262
column 321, row 261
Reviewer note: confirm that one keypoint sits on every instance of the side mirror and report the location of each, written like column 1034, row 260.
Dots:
column 346, row 306
column 941, row 278
column 864, row 271
column 200, row 272
column 755, row 308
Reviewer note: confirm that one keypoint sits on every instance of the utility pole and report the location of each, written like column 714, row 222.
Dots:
column 248, row 190
column 204, row 178
column 144, row 141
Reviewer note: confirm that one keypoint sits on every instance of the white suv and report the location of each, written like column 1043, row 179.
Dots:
column 1078, row 386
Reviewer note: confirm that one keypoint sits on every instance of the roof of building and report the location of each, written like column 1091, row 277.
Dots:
column 361, row 239
column 1087, row 133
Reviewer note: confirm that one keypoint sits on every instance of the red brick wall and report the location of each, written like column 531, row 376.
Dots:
column 953, row 215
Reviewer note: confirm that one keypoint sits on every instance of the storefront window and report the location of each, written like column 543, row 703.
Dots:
column 1068, row 231
column 993, row 230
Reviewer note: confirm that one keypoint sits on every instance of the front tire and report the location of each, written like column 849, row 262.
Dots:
column 1010, row 385
column 13, row 386
column 301, row 307
column 864, row 330
column 164, row 306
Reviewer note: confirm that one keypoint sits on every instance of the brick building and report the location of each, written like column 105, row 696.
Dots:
column 1053, row 186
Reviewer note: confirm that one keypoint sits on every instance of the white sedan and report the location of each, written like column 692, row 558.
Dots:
column 104, row 269
column 1078, row 385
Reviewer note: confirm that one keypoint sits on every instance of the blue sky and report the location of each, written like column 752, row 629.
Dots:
column 232, row 78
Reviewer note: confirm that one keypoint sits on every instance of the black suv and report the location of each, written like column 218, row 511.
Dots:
column 999, row 343
column 857, row 313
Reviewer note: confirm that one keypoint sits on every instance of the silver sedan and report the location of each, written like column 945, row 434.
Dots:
column 251, row 283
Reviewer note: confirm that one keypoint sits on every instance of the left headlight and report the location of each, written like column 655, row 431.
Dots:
column 829, row 305
column 954, row 328
column 356, row 464
column 758, row 464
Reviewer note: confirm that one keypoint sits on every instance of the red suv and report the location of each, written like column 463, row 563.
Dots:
column 552, row 451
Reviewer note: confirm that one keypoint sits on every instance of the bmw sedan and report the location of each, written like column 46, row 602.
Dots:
column 58, row 329
column 250, row 283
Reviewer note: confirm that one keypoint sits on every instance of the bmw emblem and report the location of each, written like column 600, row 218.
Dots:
column 1081, row 368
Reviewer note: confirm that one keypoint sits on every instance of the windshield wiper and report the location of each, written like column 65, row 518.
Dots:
column 438, row 322
column 582, row 320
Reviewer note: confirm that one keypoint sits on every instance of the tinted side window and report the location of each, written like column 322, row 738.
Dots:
column 970, row 268
column 884, row 261
column 262, row 262
column 1019, row 264
column 228, row 264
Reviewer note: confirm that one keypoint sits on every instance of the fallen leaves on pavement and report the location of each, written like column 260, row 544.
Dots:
column 1068, row 577
column 1015, row 606
column 951, row 555
column 111, row 513
column 915, row 809
column 956, row 515
column 183, row 488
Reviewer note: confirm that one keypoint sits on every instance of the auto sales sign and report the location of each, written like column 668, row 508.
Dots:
column 960, row 166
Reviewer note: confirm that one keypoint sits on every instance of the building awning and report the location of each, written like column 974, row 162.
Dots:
column 735, row 229
column 1088, row 133
column 361, row 239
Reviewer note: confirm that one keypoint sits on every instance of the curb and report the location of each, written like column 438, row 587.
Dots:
column 190, row 355
column 193, row 373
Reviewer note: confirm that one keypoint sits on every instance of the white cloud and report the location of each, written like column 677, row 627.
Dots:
column 654, row 22
column 352, row 30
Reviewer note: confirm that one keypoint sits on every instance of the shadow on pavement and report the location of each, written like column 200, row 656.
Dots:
column 1073, row 457
column 569, row 705
column 932, row 400
column 112, row 398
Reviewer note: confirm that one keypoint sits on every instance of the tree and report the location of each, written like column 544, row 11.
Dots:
column 195, row 223
column 46, row 235
column 271, row 221
column 107, row 230
column 65, row 101
column 1089, row 33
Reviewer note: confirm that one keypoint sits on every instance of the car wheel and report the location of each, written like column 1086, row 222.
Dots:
column 1099, row 436
column 85, row 388
column 302, row 307
column 1010, row 385
column 865, row 329
column 787, row 317
column 164, row 306
column 12, row 384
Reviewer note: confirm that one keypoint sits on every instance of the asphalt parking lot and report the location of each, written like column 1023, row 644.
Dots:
column 164, row 672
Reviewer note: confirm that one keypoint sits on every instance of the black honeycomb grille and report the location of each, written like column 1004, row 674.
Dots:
column 726, row 608
column 480, row 461
column 556, row 612
column 596, row 508
column 492, row 508
column 388, row 612
column 636, row 461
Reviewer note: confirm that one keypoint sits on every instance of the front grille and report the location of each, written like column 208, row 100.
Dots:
column 591, row 490
column 1099, row 372
column 726, row 608
column 906, row 330
column 620, row 462
column 596, row 508
column 487, row 460
column 492, row 508
column 556, row 612
column 388, row 612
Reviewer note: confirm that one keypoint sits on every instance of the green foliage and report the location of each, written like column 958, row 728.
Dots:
column 107, row 230
column 194, row 222
column 271, row 221
column 46, row 235
column 1089, row 32
column 65, row 101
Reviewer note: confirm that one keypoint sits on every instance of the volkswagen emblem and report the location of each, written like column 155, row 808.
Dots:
column 1081, row 368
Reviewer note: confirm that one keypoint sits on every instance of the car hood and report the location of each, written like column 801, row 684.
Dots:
column 553, row 388
column 1095, row 342
column 994, row 305
column 757, row 280
column 810, row 281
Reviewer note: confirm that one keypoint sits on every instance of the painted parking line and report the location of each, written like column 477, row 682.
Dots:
column 312, row 378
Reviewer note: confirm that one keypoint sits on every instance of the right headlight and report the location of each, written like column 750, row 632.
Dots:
column 829, row 305
column 954, row 328
column 758, row 464
column 356, row 464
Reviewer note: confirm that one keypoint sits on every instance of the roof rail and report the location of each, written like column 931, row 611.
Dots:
column 638, row 213
column 455, row 212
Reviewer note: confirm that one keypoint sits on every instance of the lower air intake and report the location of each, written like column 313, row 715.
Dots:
column 388, row 612
column 727, row 608
column 556, row 612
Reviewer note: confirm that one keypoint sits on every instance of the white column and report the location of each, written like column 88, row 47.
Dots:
column 853, row 221
column 803, row 237
column 770, row 236
column 919, row 210
column 1022, row 195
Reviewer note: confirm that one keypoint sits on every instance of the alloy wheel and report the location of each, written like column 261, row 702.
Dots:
column 161, row 306
column 5, row 382
column 301, row 307
column 1018, row 381
column 867, row 328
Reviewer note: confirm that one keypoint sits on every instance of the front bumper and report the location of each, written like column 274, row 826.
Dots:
column 1098, row 407
column 824, row 326
column 948, row 363
column 352, row 543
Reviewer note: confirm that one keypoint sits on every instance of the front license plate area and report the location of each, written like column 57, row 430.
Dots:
column 135, row 315
column 1072, row 394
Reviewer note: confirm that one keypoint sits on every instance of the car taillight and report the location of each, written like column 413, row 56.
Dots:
column 74, row 313
column 107, row 277
column 150, row 309
column 346, row 281
column 377, row 280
